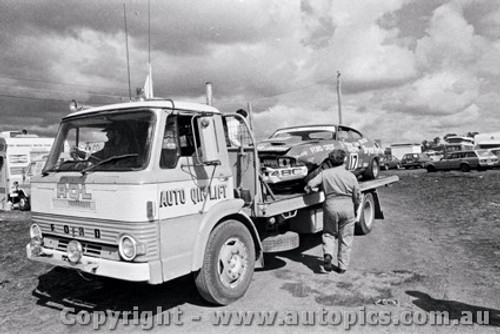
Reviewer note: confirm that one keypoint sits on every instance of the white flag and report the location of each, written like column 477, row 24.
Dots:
column 148, row 85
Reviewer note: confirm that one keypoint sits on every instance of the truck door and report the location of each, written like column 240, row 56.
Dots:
column 188, row 185
column 242, row 156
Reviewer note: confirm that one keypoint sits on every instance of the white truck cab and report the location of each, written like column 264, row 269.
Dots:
column 173, row 197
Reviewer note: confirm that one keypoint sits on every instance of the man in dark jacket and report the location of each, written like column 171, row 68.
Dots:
column 119, row 143
column 341, row 192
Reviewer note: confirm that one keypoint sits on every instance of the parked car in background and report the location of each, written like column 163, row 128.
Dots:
column 415, row 160
column 434, row 155
column 291, row 153
column 465, row 161
column 496, row 151
column 390, row 162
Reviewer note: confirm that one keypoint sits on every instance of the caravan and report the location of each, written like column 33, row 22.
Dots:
column 17, row 150
column 487, row 140
column 458, row 143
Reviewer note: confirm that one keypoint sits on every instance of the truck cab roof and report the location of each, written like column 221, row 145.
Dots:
column 163, row 103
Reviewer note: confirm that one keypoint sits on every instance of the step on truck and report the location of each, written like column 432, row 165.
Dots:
column 175, row 198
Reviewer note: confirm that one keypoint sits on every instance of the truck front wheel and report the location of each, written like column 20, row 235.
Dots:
column 228, row 264
column 367, row 219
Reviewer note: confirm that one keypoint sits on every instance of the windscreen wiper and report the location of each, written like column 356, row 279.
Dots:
column 110, row 159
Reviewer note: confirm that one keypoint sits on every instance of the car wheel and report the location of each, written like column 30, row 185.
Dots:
column 228, row 264
column 373, row 169
column 367, row 219
column 431, row 169
column 465, row 168
column 24, row 204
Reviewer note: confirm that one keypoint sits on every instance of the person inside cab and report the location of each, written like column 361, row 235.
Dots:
column 120, row 142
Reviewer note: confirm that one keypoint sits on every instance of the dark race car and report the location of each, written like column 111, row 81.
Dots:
column 290, row 154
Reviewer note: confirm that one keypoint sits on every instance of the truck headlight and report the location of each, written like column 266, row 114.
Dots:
column 127, row 247
column 35, row 231
column 36, row 241
column 74, row 251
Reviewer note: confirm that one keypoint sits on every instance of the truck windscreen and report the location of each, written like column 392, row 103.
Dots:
column 111, row 141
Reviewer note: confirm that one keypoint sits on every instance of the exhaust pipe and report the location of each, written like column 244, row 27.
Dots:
column 208, row 87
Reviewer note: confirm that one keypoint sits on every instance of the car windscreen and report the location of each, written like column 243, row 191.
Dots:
column 305, row 134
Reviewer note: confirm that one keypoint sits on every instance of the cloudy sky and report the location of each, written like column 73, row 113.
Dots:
column 410, row 69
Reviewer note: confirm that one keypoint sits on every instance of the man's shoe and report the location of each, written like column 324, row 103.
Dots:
column 340, row 271
column 328, row 263
column 328, row 267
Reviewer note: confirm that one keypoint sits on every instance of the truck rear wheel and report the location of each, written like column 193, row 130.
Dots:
column 367, row 220
column 228, row 264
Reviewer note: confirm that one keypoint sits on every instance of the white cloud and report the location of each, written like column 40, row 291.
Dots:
column 282, row 56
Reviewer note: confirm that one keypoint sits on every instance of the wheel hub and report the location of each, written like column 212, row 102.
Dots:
column 232, row 262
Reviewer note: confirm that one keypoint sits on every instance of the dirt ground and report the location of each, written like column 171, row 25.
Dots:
column 438, row 249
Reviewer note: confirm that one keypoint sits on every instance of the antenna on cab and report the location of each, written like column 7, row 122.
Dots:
column 126, row 44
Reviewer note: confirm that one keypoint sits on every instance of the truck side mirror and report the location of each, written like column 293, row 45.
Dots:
column 208, row 150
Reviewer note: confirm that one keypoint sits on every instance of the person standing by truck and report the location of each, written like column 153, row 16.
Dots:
column 341, row 190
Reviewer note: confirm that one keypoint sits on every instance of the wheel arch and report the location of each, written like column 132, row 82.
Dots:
column 231, row 209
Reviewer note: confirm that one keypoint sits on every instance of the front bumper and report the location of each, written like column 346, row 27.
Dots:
column 284, row 174
column 129, row 271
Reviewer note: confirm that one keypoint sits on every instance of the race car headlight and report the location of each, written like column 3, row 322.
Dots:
column 74, row 251
column 284, row 162
column 127, row 247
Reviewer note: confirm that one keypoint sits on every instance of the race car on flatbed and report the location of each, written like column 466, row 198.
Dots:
column 290, row 154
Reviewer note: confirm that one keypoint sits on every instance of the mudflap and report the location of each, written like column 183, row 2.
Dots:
column 379, row 214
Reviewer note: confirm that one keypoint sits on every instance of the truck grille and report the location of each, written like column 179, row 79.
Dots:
column 89, row 249
column 99, row 237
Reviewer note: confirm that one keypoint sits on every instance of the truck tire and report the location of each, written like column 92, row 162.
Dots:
column 367, row 220
column 373, row 170
column 228, row 264
column 465, row 168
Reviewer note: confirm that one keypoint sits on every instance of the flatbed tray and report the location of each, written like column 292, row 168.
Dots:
column 289, row 202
